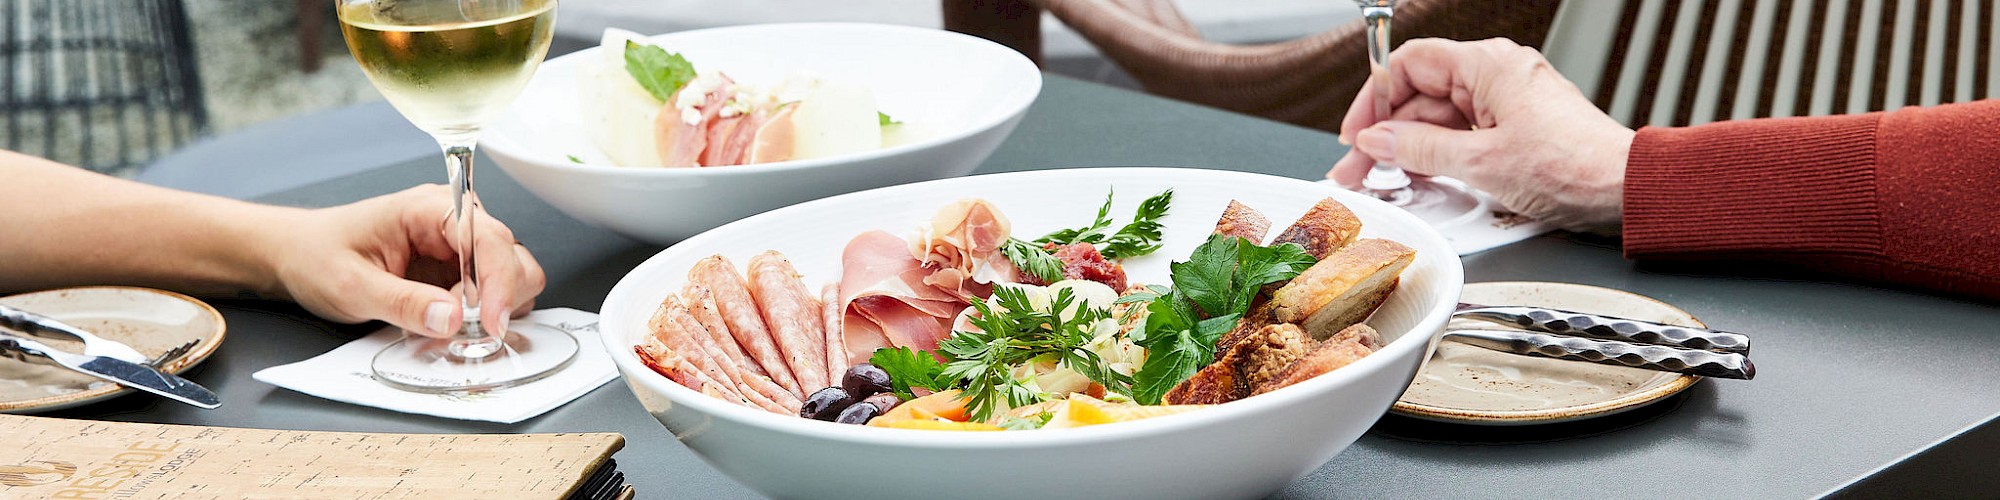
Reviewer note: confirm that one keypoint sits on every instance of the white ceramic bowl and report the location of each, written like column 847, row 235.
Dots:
column 968, row 92
column 1247, row 448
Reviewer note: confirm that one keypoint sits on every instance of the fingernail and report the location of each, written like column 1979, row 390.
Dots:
column 437, row 317
column 1343, row 140
column 1377, row 142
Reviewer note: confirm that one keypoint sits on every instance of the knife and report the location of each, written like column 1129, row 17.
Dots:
column 1651, row 357
column 1598, row 326
column 123, row 373
column 44, row 326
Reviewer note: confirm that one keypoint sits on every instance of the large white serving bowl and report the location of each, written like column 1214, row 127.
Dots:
column 1247, row 448
column 966, row 93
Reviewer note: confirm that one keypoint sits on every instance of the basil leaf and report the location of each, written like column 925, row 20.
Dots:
column 660, row 72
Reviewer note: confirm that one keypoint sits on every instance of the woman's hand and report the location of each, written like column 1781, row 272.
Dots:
column 391, row 258
column 1495, row 115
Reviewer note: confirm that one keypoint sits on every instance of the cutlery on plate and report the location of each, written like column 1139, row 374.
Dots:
column 1607, row 352
column 136, row 376
column 1599, row 326
column 160, row 363
column 50, row 328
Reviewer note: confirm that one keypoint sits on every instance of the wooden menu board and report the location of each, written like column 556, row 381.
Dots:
column 62, row 458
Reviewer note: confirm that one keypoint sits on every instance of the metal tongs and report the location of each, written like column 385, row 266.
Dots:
column 1608, row 340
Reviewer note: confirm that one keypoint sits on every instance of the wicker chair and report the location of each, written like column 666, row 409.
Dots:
column 1307, row 82
column 1674, row 63
column 104, row 84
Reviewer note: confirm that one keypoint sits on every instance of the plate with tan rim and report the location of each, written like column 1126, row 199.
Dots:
column 1463, row 384
column 151, row 321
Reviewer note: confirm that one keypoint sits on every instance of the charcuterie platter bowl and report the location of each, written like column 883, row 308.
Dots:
column 1242, row 449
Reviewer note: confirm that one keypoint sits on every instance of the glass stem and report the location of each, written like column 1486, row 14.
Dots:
column 1388, row 180
column 471, row 342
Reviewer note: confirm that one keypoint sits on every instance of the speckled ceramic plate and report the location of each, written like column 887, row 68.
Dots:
column 1470, row 385
column 151, row 321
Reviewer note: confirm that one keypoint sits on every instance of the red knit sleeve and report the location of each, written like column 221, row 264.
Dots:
column 1907, row 197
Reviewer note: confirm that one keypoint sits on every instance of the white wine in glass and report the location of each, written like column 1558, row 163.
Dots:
column 1437, row 200
column 448, row 66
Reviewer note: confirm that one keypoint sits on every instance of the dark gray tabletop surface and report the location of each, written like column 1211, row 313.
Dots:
column 1851, row 378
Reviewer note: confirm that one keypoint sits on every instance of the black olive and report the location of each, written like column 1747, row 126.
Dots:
column 858, row 413
column 883, row 401
column 864, row 380
column 825, row 404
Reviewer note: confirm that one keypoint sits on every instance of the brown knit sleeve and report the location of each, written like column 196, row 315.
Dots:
column 1905, row 198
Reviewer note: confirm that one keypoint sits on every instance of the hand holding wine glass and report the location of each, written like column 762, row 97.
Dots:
column 1496, row 115
column 448, row 66
column 389, row 258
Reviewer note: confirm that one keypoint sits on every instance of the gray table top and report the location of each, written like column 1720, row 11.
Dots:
column 1847, row 384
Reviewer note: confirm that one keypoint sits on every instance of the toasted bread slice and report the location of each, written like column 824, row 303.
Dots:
column 1343, row 289
column 1325, row 228
column 1242, row 221
column 1255, row 360
column 1343, row 348
column 1266, row 354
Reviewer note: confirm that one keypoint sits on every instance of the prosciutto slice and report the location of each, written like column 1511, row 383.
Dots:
column 682, row 141
column 899, row 293
column 962, row 248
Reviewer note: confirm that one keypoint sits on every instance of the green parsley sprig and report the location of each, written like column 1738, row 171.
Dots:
column 1212, row 291
column 980, row 362
column 1136, row 238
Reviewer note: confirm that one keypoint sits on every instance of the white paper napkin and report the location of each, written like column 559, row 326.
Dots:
column 1486, row 227
column 343, row 375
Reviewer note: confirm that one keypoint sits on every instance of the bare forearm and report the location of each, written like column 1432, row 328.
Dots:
column 63, row 226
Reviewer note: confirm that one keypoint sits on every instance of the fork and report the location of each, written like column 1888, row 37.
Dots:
column 160, row 363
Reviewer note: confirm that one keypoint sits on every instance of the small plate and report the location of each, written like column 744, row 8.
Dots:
column 151, row 321
column 1470, row 385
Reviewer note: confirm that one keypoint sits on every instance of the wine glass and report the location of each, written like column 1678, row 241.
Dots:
column 448, row 66
column 1437, row 200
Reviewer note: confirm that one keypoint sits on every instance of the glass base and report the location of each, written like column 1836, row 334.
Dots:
column 432, row 365
column 1440, row 201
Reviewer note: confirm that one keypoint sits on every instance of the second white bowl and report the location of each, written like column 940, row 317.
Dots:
column 967, row 91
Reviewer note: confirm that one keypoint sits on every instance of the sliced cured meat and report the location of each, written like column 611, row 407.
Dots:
column 716, row 151
column 836, row 342
column 1082, row 261
column 774, row 137
column 962, row 246
column 664, row 361
column 885, row 300
column 893, row 322
column 675, row 335
column 746, row 323
column 757, row 388
column 682, row 127
column 793, row 315
column 680, row 142
column 701, row 302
